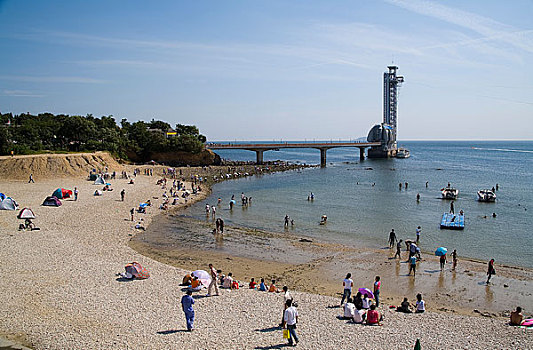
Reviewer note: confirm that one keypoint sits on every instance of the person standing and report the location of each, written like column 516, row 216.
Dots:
column 377, row 288
column 347, row 284
column 442, row 262
column 132, row 211
column 31, row 179
column 286, row 220
column 122, row 194
column 490, row 271
column 291, row 318
column 392, row 238
column 418, row 232
column 213, row 283
column 454, row 259
column 76, row 192
column 187, row 302
column 452, row 210
column 412, row 265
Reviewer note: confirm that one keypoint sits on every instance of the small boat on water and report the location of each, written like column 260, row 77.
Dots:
column 486, row 196
column 449, row 193
column 452, row 221
column 403, row 153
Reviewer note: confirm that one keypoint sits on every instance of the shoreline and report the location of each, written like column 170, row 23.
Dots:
column 60, row 289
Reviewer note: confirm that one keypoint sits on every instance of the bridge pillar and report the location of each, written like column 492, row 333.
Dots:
column 259, row 156
column 323, row 157
column 361, row 153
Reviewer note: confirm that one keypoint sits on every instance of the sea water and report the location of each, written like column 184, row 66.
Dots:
column 363, row 202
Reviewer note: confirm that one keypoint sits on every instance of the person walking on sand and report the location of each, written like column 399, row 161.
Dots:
column 348, row 285
column 377, row 288
column 398, row 249
column 454, row 259
column 31, row 179
column 76, row 192
column 442, row 262
column 122, row 194
column 286, row 297
column 392, row 238
column 213, row 283
column 490, row 271
column 452, row 210
column 186, row 304
column 291, row 318
column 132, row 211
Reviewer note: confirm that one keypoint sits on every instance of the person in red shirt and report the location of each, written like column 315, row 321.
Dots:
column 373, row 317
column 252, row 284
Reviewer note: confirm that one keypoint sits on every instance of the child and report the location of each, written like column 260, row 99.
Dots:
column 366, row 302
column 262, row 285
column 252, row 284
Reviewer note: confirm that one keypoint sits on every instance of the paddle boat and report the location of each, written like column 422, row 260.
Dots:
column 449, row 193
column 486, row 196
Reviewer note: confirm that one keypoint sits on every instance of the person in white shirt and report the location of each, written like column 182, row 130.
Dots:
column 286, row 296
column 347, row 284
column 228, row 281
column 366, row 302
column 291, row 318
column 359, row 316
column 420, row 304
column 349, row 309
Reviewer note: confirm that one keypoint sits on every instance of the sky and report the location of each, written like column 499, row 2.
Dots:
column 275, row 70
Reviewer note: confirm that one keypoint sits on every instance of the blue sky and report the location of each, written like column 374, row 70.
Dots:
column 265, row 70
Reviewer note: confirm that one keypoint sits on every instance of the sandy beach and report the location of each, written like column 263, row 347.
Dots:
column 60, row 291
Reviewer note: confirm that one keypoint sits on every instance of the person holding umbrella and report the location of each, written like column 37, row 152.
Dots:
column 442, row 261
column 441, row 251
column 490, row 271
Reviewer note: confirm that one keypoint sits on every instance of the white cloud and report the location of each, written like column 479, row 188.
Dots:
column 51, row 79
column 20, row 93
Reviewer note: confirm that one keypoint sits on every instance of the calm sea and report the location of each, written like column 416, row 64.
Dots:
column 362, row 215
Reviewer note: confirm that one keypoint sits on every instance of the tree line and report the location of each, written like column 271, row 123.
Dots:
column 26, row 134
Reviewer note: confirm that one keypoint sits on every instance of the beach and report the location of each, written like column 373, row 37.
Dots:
column 60, row 289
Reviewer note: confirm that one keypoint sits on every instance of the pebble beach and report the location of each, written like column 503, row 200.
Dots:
column 60, row 290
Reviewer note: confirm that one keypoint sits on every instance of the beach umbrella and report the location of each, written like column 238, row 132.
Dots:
column 203, row 276
column 441, row 251
column 367, row 292
column 417, row 345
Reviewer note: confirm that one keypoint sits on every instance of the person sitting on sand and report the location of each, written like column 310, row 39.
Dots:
column 420, row 304
column 195, row 285
column 349, row 309
column 140, row 225
column 273, row 288
column 228, row 281
column 373, row 317
column 262, row 286
column 131, row 182
column 358, row 301
column 405, row 307
column 252, row 284
column 366, row 302
column 516, row 317
column 186, row 280
column 359, row 316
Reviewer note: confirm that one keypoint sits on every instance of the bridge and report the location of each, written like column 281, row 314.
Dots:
column 381, row 138
column 260, row 148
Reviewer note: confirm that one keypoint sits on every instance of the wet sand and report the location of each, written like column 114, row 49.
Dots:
column 319, row 267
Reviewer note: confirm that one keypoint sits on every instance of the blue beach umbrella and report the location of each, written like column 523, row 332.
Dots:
column 441, row 251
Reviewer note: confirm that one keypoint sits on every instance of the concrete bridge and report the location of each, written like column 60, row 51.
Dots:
column 260, row 148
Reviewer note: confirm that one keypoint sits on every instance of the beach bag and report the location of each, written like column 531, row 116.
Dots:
column 286, row 334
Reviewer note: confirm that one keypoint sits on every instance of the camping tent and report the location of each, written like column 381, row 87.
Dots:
column 52, row 202
column 137, row 270
column 99, row 181
column 26, row 213
column 8, row 204
column 61, row 193
column 2, row 196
